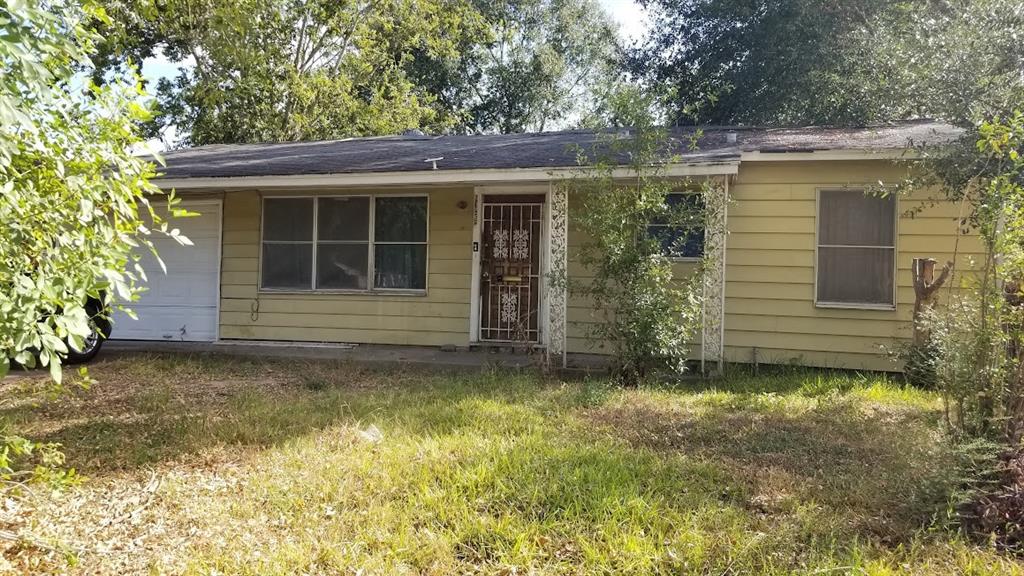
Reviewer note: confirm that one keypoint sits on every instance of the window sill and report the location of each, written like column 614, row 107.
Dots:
column 853, row 306
column 375, row 292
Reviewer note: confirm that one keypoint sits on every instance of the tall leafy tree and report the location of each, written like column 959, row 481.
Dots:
column 281, row 70
column 822, row 62
column 762, row 61
column 538, row 68
column 958, row 60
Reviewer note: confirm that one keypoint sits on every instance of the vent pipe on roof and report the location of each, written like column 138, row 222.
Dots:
column 730, row 137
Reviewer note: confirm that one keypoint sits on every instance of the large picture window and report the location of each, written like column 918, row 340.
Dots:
column 342, row 242
column 680, row 242
column 856, row 249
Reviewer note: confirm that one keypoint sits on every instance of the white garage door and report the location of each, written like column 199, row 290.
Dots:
column 182, row 304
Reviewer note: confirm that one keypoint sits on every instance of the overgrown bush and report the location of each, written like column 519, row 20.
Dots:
column 645, row 313
column 919, row 364
column 990, row 503
column 976, row 343
column 968, row 363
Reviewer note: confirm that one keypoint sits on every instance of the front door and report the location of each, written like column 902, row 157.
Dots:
column 510, row 259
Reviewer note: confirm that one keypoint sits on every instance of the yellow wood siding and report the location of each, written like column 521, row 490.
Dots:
column 770, row 267
column 770, row 273
column 437, row 318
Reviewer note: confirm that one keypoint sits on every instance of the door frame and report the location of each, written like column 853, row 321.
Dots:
column 540, row 189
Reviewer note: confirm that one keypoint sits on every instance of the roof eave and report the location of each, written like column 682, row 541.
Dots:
column 423, row 177
column 830, row 154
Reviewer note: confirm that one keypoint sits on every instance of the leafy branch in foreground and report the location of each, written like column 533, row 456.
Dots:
column 74, row 201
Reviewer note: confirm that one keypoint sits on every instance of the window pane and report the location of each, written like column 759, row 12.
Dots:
column 287, row 266
column 678, row 242
column 691, row 200
column 400, row 220
column 848, row 217
column 855, row 275
column 342, row 266
column 288, row 219
column 684, row 238
column 344, row 218
column 400, row 266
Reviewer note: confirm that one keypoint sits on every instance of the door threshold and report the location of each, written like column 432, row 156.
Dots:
column 508, row 344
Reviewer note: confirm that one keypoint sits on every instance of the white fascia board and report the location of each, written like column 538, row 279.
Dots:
column 880, row 154
column 421, row 177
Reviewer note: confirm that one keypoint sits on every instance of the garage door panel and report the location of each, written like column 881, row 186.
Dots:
column 167, row 322
column 181, row 304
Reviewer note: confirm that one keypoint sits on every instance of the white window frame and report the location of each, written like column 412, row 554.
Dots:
column 685, row 259
column 817, row 245
column 370, row 271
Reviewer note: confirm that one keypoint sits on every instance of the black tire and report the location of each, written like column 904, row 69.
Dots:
column 100, row 333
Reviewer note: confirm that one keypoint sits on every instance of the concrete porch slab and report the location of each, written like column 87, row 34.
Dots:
column 369, row 354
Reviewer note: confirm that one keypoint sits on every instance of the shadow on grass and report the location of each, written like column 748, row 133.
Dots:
column 149, row 408
column 884, row 472
column 510, row 467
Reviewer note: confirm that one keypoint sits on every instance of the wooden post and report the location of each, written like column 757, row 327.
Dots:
column 1013, row 292
column 925, row 287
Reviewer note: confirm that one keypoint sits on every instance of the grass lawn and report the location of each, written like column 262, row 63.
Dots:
column 207, row 465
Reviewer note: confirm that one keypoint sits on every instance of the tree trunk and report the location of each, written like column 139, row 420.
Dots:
column 925, row 287
column 1013, row 292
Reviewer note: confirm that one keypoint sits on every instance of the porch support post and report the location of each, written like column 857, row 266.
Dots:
column 558, row 231
column 712, row 349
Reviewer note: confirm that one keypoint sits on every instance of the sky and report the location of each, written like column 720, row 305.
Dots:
column 631, row 18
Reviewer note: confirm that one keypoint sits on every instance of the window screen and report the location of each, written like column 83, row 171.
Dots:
column 400, row 243
column 343, row 243
column 287, row 243
column 333, row 243
column 681, row 239
column 856, row 248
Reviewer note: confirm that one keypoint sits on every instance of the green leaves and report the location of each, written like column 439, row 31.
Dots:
column 644, row 312
column 70, row 190
column 810, row 62
column 282, row 70
column 540, row 63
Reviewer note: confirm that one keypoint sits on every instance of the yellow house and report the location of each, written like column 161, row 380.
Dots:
column 449, row 240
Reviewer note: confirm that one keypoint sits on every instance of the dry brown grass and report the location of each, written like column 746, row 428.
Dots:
column 206, row 465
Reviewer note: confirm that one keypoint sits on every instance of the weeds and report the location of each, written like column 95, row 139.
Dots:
column 254, row 472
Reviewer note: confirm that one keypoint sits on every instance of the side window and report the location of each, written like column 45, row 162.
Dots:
column 680, row 240
column 856, row 249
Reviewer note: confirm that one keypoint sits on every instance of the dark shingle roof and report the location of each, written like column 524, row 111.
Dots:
column 506, row 151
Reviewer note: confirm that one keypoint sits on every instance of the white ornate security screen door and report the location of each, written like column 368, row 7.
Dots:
column 511, row 228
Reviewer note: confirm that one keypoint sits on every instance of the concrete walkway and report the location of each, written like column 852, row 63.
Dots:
column 413, row 356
